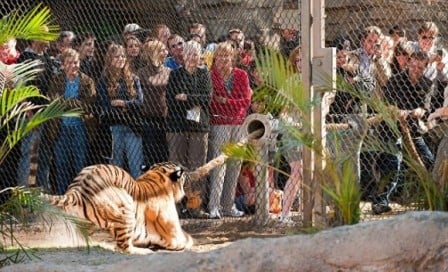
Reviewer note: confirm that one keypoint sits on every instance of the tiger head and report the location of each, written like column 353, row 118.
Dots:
column 176, row 173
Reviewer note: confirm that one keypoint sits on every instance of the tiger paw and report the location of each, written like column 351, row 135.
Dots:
column 138, row 250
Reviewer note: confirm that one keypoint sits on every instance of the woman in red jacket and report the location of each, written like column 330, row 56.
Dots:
column 231, row 99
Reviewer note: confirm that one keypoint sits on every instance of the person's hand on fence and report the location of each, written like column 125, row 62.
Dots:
column 118, row 103
column 181, row 96
column 438, row 113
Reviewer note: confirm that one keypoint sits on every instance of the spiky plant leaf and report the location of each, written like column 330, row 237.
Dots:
column 36, row 24
column 15, row 116
column 25, row 206
column 16, row 121
column 281, row 86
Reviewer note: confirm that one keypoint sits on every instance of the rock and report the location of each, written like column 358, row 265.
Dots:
column 414, row 241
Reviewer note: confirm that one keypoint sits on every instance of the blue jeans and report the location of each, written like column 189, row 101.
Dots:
column 127, row 144
column 45, row 155
column 26, row 145
column 69, row 154
column 424, row 152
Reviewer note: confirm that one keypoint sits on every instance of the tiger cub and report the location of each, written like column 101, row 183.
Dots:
column 138, row 213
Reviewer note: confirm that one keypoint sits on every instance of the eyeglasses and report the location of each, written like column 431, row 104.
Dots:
column 427, row 37
column 179, row 44
column 195, row 35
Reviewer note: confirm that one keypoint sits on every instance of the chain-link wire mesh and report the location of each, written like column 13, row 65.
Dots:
column 399, row 47
column 51, row 156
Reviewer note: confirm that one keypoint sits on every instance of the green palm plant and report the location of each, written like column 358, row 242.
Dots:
column 282, row 88
column 15, row 123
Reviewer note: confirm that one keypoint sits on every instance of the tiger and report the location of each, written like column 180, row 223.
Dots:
column 138, row 213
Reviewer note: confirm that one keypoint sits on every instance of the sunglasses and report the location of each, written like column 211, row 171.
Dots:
column 179, row 44
column 427, row 37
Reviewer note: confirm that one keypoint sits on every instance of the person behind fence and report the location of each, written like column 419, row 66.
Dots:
column 120, row 96
column 400, row 59
column 85, row 44
column 414, row 86
column 428, row 42
column 89, row 65
column 188, row 94
column 133, row 48
column 344, row 109
column 398, row 35
column 8, row 52
column 198, row 32
column 154, row 78
column 366, row 73
column 131, row 29
column 63, row 42
column 8, row 168
column 71, row 143
column 407, row 91
column 290, row 147
column 161, row 32
column 245, row 196
column 231, row 100
column 236, row 36
column 175, row 46
column 36, row 50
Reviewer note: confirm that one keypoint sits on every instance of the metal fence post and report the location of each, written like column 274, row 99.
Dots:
column 318, row 67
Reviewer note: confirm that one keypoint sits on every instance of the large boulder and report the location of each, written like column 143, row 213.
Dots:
column 414, row 241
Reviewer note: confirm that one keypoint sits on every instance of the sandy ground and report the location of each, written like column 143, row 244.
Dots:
column 59, row 242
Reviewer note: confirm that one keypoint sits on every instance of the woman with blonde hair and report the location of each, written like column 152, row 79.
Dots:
column 154, row 78
column 120, row 96
column 230, row 102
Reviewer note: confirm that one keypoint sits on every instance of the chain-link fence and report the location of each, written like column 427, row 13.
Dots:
column 134, row 140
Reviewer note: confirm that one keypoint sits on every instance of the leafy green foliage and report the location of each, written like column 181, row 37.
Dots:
column 19, row 116
column 282, row 90
column 35, row 24
column 281, row 86
column 26, row 206
column 343, row 189
column 15, row 110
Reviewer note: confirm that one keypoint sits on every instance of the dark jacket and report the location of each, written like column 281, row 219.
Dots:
column 44, row 77
column 198, row 88
column 400, row 92
column 154, row 81
column 128, row 115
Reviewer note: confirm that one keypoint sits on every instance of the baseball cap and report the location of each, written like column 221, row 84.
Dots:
column 131, row 28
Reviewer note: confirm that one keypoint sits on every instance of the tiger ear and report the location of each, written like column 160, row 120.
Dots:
column 176, row 175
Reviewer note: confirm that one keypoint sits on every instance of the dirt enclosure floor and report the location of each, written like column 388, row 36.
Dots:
column 59, row 242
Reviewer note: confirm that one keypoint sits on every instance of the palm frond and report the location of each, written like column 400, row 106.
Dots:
column 25, row 71
column 14, row 115
column 10, row 98
column 281, row 86
column 35, row 24
column 245, row 152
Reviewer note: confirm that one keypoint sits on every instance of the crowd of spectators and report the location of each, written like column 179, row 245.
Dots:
column 159, row 96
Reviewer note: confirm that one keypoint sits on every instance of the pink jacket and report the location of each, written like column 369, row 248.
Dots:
column 234, row 111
